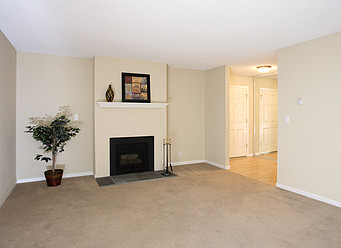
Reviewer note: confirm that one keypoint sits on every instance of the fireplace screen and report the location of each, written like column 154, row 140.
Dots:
column 129, row 159
column 131, row 155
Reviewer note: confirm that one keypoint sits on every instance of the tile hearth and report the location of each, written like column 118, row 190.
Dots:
column 132, row 177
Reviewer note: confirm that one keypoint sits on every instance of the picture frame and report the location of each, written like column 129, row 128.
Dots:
column 135, row 87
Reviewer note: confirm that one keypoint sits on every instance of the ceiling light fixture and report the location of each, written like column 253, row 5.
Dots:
column 264, row 68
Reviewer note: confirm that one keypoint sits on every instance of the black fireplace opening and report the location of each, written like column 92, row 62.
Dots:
column 131, row 155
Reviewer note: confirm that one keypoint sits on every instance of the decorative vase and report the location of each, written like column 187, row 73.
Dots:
column 53, row 178
column 109, row 94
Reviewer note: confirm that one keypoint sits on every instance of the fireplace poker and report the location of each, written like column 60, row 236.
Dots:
column 166, row 155
column 163, row 153
column 170, row 155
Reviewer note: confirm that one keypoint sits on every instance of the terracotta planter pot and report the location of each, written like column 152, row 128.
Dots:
column 53, row 178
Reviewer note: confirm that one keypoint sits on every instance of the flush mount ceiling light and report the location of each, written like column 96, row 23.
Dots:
column 264, row 68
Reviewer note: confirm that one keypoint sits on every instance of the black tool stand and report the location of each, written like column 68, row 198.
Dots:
column 167, row 153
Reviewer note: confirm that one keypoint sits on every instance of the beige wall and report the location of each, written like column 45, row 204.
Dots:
column 44, row 83
column 186, row 113
column 261, row 82
column 216, row 115
column 116, row 122
column 246, row 81
column 7, row 116
column 309, row 145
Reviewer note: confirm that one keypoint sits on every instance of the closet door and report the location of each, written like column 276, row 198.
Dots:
column 238, row 121
column 268, row 120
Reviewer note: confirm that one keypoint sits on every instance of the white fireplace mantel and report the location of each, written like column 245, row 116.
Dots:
column 131, row 105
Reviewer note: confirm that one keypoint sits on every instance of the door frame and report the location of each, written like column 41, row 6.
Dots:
column 254, row 104
column 260, row 114
column 247, row 118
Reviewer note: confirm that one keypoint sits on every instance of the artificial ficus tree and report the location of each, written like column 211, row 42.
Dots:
column 53, row 132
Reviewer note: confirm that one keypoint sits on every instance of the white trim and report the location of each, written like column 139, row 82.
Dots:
column 269, row 89
column 131, row 105
column 32, row 179
column 248, row 121
column 218, row 165
column 261, row 153
column 250, row 155
column 188, row 162
column 36, row 179
column 2, row 201
column 254, row 116
column 309, row 195
column 80, row 174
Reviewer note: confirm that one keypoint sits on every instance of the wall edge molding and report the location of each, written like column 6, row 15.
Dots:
column 188, row 162
column 309, row 195
column 227, row 167
column 4, row 198
column 37, row 179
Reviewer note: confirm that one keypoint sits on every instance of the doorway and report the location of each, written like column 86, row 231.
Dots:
column 260, row 162
column 266, row 117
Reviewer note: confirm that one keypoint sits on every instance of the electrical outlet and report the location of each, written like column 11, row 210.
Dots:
column 180, row 154
column 286, row 119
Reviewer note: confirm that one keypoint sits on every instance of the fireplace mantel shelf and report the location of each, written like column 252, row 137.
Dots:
column 131, row 105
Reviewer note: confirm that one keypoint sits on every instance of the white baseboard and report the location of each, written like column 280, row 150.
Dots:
column 32, row 179
column 202, row 161
column 81, row 174
column 218, row 165
column 250, row 155
column 309, row 195
column 2, row 201
column 36, row 179
column 261, row 153
column 188, row 162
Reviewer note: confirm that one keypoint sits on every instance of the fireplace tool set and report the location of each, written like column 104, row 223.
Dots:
column 167, row 157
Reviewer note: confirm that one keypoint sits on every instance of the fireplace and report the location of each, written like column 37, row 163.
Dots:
column 131, row 155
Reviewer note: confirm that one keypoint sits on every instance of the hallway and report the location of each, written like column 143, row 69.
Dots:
column 262, row 168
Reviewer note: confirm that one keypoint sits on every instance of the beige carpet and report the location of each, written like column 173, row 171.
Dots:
column 202, row 207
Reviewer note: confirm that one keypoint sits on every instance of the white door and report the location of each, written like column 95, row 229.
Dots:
column 268, row 120
column 238, row 120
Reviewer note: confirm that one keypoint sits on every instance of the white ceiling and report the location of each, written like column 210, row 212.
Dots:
column 183, row 33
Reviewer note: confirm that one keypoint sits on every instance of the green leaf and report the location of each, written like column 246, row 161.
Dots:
column 46, row 159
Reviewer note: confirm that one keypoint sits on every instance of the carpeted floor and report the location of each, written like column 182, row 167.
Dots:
column 203, row 207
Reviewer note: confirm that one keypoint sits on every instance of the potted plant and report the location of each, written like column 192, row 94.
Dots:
column 53, row 132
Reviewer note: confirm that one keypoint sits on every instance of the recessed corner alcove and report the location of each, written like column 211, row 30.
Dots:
column 131, row 155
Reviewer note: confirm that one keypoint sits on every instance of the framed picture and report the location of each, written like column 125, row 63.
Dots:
column 135, row 87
